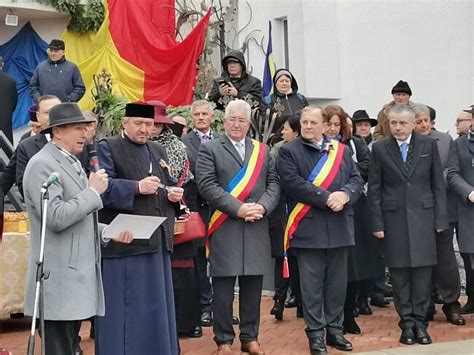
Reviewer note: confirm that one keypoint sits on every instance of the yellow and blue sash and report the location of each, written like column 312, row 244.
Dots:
column 323, row 175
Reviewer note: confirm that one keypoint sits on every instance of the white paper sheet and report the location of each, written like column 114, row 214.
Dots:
column 142, row 227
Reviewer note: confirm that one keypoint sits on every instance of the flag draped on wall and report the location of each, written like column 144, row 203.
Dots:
column 269, row 70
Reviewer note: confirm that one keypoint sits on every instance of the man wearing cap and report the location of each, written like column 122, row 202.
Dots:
column 401, row 93
column 446, row 279
column 235, row 82
column 57, row 76
column 138, row 287
column 461, row 181
column 73, row 289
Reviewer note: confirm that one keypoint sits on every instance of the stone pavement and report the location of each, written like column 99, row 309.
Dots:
column 379, row 336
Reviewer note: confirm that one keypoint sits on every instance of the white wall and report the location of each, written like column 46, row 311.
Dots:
column 352, row 52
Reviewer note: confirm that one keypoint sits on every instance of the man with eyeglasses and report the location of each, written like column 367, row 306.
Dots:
column 463, row 123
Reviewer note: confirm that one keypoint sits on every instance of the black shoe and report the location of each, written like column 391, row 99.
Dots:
column 350, row 326
column 407, row 337
column 235, row 320
column 468, row 308
column 378, row 300
column 422, row 337
column 339, row 342
column 206, row 319
column 278, row 308
column 78, row 350
column 317, row 347
column 299, row 311
column 364, row 307
column 355, row 312
column 291, row 303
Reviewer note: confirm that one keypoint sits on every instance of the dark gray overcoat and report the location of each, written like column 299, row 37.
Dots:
column 237, row 247
column 407, row 205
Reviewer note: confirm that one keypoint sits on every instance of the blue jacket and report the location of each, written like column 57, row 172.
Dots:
column 321, row 228
column 61, row 78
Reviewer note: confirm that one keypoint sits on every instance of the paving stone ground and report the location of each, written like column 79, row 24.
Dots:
column 379, row 332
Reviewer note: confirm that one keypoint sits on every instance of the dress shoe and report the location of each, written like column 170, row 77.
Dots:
column 378, row 300
column 252, row 348
column 364, row 307
column 195, row 333
column 78, row 350
column 317, row 346
column 206, row 319
column 291, row 303
column 350, row 326
column 407, row 337
column 355, row 312
column 339, row 342
column 468, row 308
column 235, row 320
column 453, row 316
column 224, row 349
column 422, row 337
column 278, row 308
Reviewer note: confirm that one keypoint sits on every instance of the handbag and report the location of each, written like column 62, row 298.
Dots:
column 194, row 228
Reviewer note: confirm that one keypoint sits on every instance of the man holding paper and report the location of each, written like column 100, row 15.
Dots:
column 140, row 315
column 237, row 176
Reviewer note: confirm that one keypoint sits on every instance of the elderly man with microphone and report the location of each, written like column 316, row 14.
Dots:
column 72, row 287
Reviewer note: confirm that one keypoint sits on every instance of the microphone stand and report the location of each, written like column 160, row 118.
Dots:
column 40, row 277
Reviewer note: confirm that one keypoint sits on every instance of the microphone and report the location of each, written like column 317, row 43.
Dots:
column 52, row 178
column 92, row 154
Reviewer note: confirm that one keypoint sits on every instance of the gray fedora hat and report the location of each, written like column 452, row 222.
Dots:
column 63, row 114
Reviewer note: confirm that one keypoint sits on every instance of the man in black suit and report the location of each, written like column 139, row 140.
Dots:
column 13, row 172
column 202, row 117
column 407, row 195
column 8, row 101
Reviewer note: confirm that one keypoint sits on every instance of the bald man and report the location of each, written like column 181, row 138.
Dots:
column 463, row 123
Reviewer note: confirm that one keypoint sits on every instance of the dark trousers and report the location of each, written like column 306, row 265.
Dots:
column 186, row 299
column 281, row 284
column 469, row 276
column 412, row 295
column 205, row 288
column 323, row 281
column 446, row 273
column 249, row 308
column 61, row 337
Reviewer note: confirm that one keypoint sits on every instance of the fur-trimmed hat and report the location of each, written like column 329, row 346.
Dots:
column 401, row 86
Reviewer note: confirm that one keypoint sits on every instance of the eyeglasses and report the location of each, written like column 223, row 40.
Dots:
column 463, row 120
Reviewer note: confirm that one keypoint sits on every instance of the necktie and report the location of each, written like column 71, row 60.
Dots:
column 204, row 138
column 240, row 150
column 404, row 151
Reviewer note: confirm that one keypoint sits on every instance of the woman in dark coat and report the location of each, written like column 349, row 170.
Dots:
column 362, row 260
column 277, row 223
column 285, row 99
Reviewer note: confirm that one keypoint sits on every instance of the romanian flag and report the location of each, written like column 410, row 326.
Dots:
column 323, row 175
column 137, row 45
column 269, row 70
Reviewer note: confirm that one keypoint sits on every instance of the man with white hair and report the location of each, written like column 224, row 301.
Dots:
column 237, row 176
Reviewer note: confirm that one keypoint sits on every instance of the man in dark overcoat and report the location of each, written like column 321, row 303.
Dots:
column 407, row 195
column 240, row 247
column 461, row 181
column 324, row 235
column 202, row 117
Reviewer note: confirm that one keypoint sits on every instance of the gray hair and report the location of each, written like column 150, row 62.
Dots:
column 311, row 109
column 238, row 105
column 402, row 108
column 90, row 115
column 420, row 108
column 199, row 103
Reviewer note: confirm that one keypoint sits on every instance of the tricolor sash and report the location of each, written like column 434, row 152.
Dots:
column 241, row 185
column 323, row 175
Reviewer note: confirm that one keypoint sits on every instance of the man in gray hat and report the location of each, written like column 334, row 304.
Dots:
column 73, row 289
column 57, row 76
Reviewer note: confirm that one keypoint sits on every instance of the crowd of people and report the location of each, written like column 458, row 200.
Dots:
column 341, row 210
